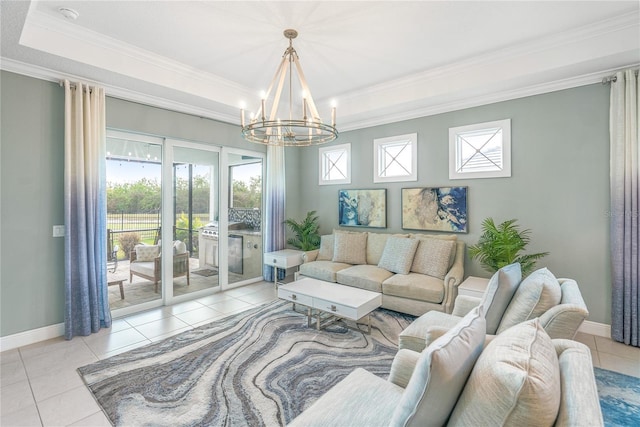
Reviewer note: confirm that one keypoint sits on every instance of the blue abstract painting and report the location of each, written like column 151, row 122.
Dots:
column 362, row 208
column 435, row 209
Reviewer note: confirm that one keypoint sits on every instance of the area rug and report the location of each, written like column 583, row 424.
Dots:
column 261, row 367
column 206, row 272
column 619, row 398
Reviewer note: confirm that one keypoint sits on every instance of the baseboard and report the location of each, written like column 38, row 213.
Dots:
column 595, row 328
column 36, row 335
column 31, row 337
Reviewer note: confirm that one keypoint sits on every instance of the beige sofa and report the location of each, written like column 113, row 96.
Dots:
column 509, row 300
column 415, row 273
column 522, row 378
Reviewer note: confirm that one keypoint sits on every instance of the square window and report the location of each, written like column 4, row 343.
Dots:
column 481, row 150
column 395, row 158
column 335, row 164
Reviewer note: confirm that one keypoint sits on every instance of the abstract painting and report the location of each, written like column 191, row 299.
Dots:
column 362, row 208
column 435, row 209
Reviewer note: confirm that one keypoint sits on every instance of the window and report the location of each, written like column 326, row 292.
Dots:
column 482, row 150
column 395, row 158
column 335, row 164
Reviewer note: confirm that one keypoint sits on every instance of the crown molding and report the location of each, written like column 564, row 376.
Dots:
column 387, row 117
column 42, row 73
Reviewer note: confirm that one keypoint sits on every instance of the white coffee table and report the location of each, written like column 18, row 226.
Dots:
column 329, row 302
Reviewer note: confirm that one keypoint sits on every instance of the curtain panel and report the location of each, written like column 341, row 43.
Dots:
column 86, row 294
column 625, row 187
column 275, row 231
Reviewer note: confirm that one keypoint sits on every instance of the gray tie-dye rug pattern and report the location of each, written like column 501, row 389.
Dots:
column 261, row 367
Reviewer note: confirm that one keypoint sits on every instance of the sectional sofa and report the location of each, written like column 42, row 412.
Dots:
column 415, row 273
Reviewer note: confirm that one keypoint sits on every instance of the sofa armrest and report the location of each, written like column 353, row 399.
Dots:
column 402, row 367
column 308, row 256
column 361, row 399
column 453, row 278
column 464, row 304
column 563, row 320
column 579, row 401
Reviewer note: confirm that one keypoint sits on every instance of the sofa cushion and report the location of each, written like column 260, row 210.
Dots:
column 398, row 254
column 146, row 252
column 369, row 277
column 415, row 286
column 498, row 294
column 326, row 248
column 350, row 248
column 433, row 257
column 440, row 374
column 413, row 337
column 516, row 381
column 322, row 270
column 375, row 247
column 143, row 267
column 537, row 293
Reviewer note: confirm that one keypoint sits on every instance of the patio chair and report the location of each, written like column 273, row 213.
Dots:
column 112, row 253
column 145, row 261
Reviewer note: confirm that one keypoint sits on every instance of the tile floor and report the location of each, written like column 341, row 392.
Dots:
column 40, row 386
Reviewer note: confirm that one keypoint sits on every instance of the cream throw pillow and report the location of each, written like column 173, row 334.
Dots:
column 147, row 252
column 350, row 248
column 537, row 293
column 432, row 257
column 326, row 248
column 515, row 382
column 440, row 374
column 398, row 254
column 498, row 295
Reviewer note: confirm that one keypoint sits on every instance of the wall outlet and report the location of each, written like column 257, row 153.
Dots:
column 58, row 231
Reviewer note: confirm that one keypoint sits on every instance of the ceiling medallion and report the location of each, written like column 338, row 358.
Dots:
column 271, row 128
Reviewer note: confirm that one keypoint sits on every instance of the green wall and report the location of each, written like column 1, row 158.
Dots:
column 559, row 186
column 32, row 179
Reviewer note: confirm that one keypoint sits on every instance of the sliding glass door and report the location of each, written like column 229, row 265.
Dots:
column 244, row 196
column 196, row 211
column 184, row 219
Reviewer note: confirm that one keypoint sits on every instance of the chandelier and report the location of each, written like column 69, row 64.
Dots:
column 269, row 128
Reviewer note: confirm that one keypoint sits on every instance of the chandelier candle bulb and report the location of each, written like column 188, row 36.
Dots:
column 333, row 117
column 263, row 111
column 242, row 117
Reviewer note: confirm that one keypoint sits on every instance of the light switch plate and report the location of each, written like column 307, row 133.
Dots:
column 58, row 231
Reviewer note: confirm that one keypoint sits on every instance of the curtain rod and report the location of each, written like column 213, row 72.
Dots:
column 72, row 85
column 613, row 78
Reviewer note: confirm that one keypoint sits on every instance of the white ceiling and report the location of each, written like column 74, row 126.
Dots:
column 379, row 61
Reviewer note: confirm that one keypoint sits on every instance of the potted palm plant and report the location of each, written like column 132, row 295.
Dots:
column 502, row 244
column 307, row 234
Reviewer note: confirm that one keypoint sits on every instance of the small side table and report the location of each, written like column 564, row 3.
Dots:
column 473, row 286
column 117, row 282
column 283, row 259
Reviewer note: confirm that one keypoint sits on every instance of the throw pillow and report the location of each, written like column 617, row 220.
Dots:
column 179, row 247
column 497, row 296
column 398, row 254
column 440, row 237
column 537, row 293
column 440, row 374
column 516, row 381
column 432, row 257
column 146, row 252
column 326, row 248
column 350, row 248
